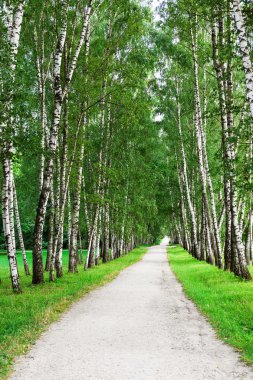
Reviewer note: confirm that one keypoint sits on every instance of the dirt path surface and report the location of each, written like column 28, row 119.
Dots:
column 140, row 326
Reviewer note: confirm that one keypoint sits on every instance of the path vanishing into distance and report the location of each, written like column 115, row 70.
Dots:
column 139, row 326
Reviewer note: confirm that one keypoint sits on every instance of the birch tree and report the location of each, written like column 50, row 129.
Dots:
column 13, row 16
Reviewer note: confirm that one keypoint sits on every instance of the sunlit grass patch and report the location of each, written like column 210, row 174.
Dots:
column 224, row 299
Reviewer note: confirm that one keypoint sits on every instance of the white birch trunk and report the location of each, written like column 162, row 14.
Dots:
column 239, row 261
column 14, row 23
column 20, row 234
column 106, row 232
column 38, row 276
column 221, row 218
column 59, row 95
column 50, row 247
column 186, row 183
column 244, row 47
column 41, row 78
column 11, row 205
column 73, row 247
column 202, row 158
column 7, row 228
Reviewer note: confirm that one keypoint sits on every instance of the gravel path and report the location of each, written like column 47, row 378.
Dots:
column 140, row 326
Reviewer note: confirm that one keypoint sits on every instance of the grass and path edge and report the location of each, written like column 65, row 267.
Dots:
column 223, row 299
column 18, row 344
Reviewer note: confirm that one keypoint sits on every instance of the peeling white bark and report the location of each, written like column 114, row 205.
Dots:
column 14, row 23
column 244, row 48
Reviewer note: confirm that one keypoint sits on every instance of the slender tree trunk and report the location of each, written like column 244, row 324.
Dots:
column 11, row 206
column 242, row 216
column 228, row 248
column 41, row 77
column 58, row 220
column 59, row 95
column 20, row 234
column 75, row 223
column 7, row 227
column 80, row 260
column 248, row 248
column 38, row 276
column 92, row 247
column 221, row 217
column 73, row 247
column 106, row 232
column 95, row 229
column 203, row 160
column 249, row 240
column 215, row 223
column 50, row 247
column 64, row 183
column 121, row 248
column 244, row 47
column 98, row 245
column 183, row 211
column 14, row 23
column 69, row 219
column 86, row 213
column 239, row 265
column 195, row 245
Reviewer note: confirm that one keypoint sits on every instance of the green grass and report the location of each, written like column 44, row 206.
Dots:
column 225, row 300
column 24, row 317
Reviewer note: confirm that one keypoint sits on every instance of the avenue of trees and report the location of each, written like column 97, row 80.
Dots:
column 86, row 162
column 79, row 145
column 206, row 96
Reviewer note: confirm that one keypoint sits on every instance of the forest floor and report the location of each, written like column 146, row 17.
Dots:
column 139, row 326
column 25, row 316
column 224, row 299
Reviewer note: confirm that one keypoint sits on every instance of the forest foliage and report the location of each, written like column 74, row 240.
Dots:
column 117, row 128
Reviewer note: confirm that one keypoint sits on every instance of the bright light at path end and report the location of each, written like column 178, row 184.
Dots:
column 165, row 241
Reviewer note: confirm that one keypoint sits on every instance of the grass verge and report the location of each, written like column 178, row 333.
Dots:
column 225, row 300
column 24, row 317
